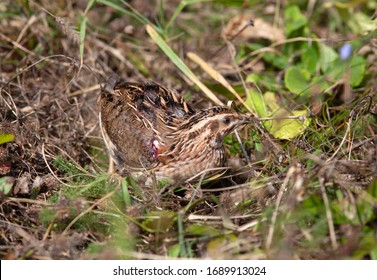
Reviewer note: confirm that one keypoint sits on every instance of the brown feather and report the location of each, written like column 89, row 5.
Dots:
column 147, row 127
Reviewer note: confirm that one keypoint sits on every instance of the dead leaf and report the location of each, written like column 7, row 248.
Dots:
column 36, row 187
column 5, row 167
column 22, row 185
column 261, row 29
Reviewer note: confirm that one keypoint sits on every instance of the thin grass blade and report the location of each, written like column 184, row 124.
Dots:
column 180, row 64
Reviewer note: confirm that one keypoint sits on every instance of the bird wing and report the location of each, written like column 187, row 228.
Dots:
column 138, row 117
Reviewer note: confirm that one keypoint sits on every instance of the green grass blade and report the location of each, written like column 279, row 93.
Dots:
column 82, row 39
column 89, row 6
column 178, row 10
column 134, row 186
column 126, row 193
column 130, row 12
column 181, row 238
column 180, row 64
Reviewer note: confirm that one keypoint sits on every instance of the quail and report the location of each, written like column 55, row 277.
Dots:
column 146, row 127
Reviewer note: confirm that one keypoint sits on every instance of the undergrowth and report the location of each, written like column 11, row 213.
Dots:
column 301, row 186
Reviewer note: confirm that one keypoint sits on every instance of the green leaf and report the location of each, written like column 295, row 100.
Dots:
column 218, row 244
column 256, row 102
column 271, row 101
column 320, row 83
column 294, row 19
column 280, row 61
column 6, row 137
column 361, row 23
column 280, row 127
column 6, row 184
column 174, row 251
column 202, row 229
column 296, row 79
column 289, row 128
column 159, row 221
column 309, row 60
column 265, row 80
column 328, row 57
column 358, row 65
column 352, row 72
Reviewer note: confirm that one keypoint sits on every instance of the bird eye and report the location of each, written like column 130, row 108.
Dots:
column 226, row 120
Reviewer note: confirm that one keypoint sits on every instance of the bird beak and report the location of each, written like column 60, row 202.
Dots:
column 245, row 119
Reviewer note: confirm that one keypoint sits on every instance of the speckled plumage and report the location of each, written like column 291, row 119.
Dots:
column 147, row 127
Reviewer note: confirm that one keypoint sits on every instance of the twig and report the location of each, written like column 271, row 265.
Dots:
column 27, row 200
column 341, row 143
column 12, row 101
column 84, row 90
column 17, row 45
column 248, row 24
column 282, row 42
column 217, row 218
column 271, row 229
column 301, row 118
column 242, row 147
column 48, row 166
column 248, row 225
column 202, row 174
column 30, row 22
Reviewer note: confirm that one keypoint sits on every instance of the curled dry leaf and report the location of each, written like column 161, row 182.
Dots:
column 22, row 185
column 38, row 181
column 261, row 29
